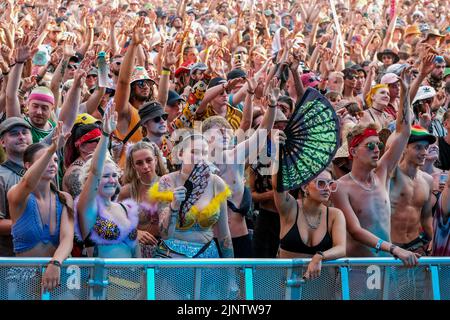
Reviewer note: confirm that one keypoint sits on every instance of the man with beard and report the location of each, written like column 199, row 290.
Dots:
column 15, row 137
column 410, row 195
column 437, row 75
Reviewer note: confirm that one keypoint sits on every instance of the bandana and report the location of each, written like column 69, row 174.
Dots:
column 359, row 138
column 89, row 136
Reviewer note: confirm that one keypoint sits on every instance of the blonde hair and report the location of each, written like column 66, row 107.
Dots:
column 359, row 129
column 373, row 91
column 215, row 121
column 130, row 174
column 86, row 168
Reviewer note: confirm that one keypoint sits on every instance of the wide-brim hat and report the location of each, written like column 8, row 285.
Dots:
column 151, row 110
column 395, row 56
column 139, row 73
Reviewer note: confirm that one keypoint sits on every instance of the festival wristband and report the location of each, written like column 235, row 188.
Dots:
column 105, row 133
column 55, row 263
column 165, row 72
column 378, row 246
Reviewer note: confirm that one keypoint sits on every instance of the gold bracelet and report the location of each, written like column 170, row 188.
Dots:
column 165, row 73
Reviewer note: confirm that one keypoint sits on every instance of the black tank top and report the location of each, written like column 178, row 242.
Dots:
column 293, row 242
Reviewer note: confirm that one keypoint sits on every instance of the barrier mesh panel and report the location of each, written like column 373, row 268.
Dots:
column 20, row 283
column 215, row 283
column 286, row 284
column 444, row 282
column 390, row 283
column 125, row 283
column 74, row 284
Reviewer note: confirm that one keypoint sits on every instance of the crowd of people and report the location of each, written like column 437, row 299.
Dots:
column 134, row 128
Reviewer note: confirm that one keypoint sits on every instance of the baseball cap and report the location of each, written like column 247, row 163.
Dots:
column 12, row 122
column 198, row 66
column 236, row 73
column 216, row 81
column 185, row 67
column 419, row 133
column 389, row 78
column 309, row 79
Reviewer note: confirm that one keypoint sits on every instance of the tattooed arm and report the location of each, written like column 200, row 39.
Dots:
column 58, row 77
column 71, row 181
column 167, row 219
column 221, row 229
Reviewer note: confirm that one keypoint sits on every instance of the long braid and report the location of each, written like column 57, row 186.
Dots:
column 62, row 199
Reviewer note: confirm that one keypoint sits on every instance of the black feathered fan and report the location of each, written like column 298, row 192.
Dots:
column 313, row 137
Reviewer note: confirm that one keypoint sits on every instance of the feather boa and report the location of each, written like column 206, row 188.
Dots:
column 167, row 196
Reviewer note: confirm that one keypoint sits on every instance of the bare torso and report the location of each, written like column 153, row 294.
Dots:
column 408, row 197
column 373, row 211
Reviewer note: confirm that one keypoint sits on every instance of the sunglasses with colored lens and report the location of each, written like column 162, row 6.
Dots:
column 158, row 118
column 143, row 83
column 371, row 145
column 322, row 184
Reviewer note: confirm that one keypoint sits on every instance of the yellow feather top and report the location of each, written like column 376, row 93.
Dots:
column 159, row 196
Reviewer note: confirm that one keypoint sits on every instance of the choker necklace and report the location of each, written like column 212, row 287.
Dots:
column 372, row 182
column 380, row 111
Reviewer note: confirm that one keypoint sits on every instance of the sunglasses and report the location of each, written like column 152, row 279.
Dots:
column 110, row 92
column 371, row 145
column 387, row 57
column 72, row 67
column 158, row 118
column 429, row 101
column 143, row 83
column 322, row 184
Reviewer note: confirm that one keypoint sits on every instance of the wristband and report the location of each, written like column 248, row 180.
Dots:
column 12, row 65
column 6, row 73
column 320, row 253
column 251, row 92
column 166, row 69
column 55, row 263
column 272, row 106
column 391, row 249
column 165, row 72
column 105, row 134
column 19, row 62
column 378, row 246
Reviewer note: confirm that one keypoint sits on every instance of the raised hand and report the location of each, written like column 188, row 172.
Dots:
column 274, row 91
column 28, row 83
column 6, row 53
column 68, row 50
column 110, row 119
column 58, row 139
column 231, row 84
column 139, row 32
column 179, row 195
column 170, row 57
column 427, row 64
column 23, row 50
column 251, row 81
column 79, row 77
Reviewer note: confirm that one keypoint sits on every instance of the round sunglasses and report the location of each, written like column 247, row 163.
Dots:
column 322, row 184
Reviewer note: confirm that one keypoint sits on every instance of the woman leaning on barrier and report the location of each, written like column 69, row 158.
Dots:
column 143, row 167
column 309, row 227
column 107, row 226
column 42, row 216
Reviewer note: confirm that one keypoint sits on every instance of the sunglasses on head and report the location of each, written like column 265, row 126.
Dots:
column 158, row 118
column 322, row 184
column 371, row 145
column 143, row 83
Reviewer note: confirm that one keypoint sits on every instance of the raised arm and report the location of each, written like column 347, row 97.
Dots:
column 19, row 193
column 221, row 229
column 123, row 84
column 58, row 75
column 402, row 132
column 87, row 211
column 170, row 59
column 213, row 92
column 23, row 53
column 390, row 32
column 426, row 66
column 246, row 148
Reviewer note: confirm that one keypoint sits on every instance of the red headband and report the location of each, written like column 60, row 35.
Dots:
column 359, row 138
column 95, row 133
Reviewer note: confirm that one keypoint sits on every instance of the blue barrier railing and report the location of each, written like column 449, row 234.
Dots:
column 222, row 279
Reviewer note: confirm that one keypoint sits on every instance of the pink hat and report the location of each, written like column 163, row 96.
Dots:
column 389, row 78
column 42, row 94
column 310, row 79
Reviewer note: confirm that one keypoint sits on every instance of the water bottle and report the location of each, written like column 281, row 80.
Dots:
column 103, row 70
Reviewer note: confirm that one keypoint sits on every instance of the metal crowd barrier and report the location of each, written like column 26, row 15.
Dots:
column 227, row 279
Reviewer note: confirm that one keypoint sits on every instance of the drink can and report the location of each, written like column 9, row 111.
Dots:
column 443, row 178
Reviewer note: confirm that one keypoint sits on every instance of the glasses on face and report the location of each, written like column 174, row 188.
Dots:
column 143, row 83
column 72, row 67
column 158, row 118
column 371, row 145
column 386, row 57
column 322, row 184
column 428, row 101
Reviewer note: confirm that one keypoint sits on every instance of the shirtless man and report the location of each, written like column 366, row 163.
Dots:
column 410, row 194
column 363, row 194
column 232, row 168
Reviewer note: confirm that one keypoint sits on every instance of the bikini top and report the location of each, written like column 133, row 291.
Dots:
column 106, row 230
column 246, row 203
column 195, row 218
column 293, row 242
column 29, row 230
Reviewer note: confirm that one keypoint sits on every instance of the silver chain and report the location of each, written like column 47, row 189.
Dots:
column 372, row 182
